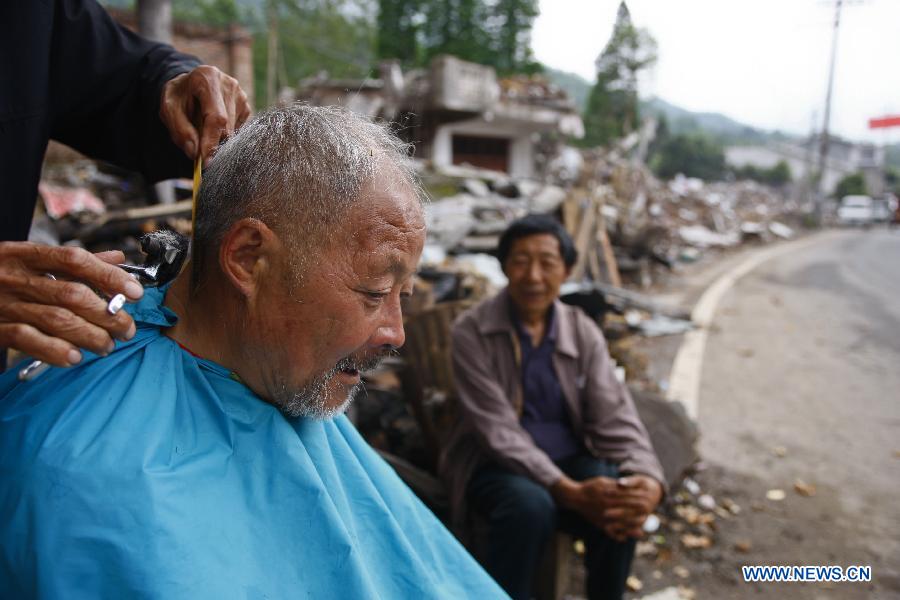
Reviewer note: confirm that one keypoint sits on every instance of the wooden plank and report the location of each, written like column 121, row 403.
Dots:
column 149, row 212
column 583, row 238
column 611, row 268
column 571, row 211
column 432, row 333
column 442, row 348
column 595, row 271
column 609, row 258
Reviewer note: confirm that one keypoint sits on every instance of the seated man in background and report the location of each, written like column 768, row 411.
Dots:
column 201, row 458
column 546, row 436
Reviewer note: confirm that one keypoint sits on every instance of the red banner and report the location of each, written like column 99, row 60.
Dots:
column 882, row 122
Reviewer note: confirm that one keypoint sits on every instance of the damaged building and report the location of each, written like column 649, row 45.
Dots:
column 459, row 113
column 844, row 158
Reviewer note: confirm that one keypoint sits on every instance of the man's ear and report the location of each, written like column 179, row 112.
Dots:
column 246, row 253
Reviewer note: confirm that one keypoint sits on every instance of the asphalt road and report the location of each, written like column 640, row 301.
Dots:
column 801, row 381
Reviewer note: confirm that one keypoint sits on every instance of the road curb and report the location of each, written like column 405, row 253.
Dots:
column 687, row 369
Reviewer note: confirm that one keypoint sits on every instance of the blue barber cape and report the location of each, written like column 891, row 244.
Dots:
column 151, row 473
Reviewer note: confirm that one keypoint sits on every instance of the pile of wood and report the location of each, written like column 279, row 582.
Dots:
column 582, row 216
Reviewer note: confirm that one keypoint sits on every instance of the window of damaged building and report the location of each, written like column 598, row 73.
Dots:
column 479, row 151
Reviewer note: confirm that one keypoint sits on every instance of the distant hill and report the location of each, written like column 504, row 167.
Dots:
column 729, row 132
column 724, row 129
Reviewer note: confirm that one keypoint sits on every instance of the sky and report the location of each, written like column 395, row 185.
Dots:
column 760, row 62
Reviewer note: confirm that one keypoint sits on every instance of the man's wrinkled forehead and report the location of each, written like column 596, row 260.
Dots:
column 389, row 241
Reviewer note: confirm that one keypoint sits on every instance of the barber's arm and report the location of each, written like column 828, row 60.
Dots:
column 133, row 102
column 488, row 410
column 115, row 96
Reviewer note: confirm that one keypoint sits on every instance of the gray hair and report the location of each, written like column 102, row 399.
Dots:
column 298, row 169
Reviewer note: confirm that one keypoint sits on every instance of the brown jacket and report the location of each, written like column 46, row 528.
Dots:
column 486, row 369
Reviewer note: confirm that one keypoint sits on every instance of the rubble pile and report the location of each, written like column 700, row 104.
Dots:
column 630, row 229
column 628, row 225
column 533, row 89
column 471, row 207
column 100, row 207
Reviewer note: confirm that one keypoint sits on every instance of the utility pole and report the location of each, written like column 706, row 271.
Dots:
column 272, row 54
column 806, row 189
column 154, row 18
column 823, row 141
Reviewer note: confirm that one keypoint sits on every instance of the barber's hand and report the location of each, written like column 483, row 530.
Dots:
column 206, row 96
column 635, row 498
column 50, row 319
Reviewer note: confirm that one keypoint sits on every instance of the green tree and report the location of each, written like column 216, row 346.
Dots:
column 337, row 36
column 456, row 27
column 780, row 174
column 512, row 36
column 220, row 13
column 489, row 32
column 776, row 176
column 398, row 30
column 612, row 109
column 851, row 185
column 892, row 180
column 691, row 155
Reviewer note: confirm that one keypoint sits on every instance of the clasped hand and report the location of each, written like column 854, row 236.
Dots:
column 617, row 506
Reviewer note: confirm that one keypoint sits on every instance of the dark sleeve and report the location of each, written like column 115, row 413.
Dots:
column 105, row 85
column 489, row 413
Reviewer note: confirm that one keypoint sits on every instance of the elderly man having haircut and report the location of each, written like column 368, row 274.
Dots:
column 206, row 457
column 547, row 436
